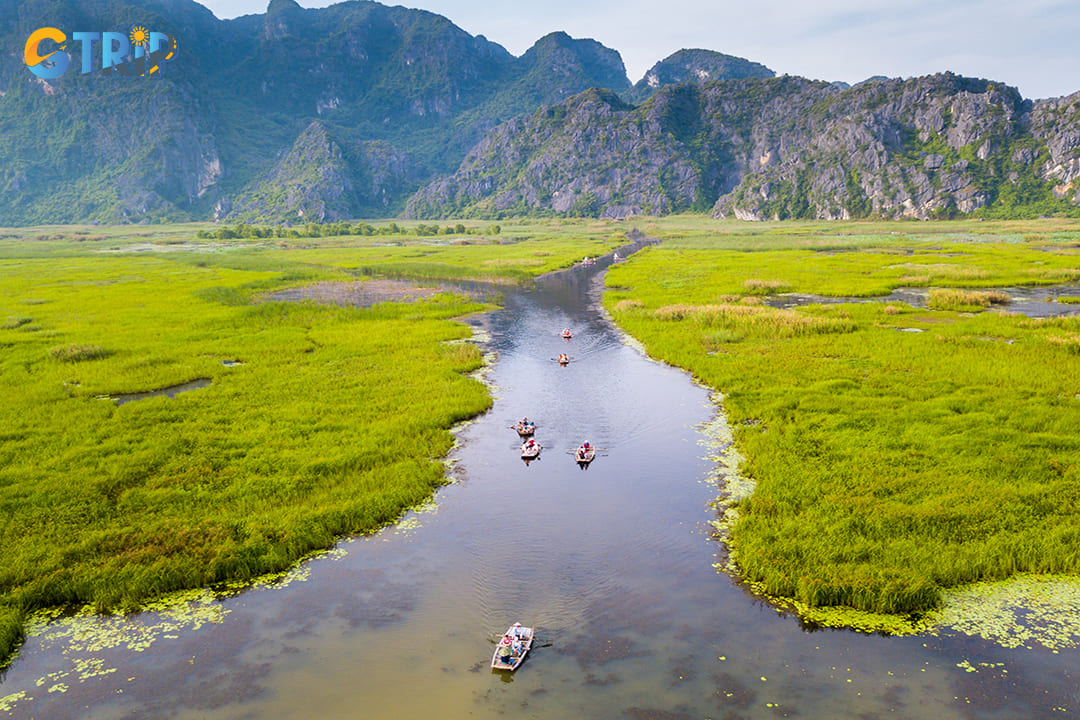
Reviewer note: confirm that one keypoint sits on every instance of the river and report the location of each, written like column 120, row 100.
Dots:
column 613, row 565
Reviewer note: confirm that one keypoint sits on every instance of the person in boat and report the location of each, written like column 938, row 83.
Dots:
column 518, row 632
column 524, row 423
column 506, row 651
column 583, row 451
column 564, row 359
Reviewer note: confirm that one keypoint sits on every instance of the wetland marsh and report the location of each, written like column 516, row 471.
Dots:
column 615, row 565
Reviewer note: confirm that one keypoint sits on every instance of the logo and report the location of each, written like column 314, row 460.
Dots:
column 138, row 53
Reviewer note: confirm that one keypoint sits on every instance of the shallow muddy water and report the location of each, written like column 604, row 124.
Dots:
column 1032, row 301
column 613, row 565
column 170, row 392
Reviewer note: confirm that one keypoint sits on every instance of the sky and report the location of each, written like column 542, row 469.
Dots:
column 1033, row 45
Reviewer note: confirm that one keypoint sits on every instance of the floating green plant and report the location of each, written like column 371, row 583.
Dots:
column 8, row 702
column 1025, row 611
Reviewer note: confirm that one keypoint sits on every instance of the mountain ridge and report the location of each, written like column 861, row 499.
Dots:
column 242, row 92
column 363, row 109
column 776, row 148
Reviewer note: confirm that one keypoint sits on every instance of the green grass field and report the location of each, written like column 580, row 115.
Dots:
column 334, row 421
column 896, row 451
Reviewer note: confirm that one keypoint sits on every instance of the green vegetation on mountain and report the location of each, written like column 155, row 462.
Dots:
column 232, row 126
column 895, row 450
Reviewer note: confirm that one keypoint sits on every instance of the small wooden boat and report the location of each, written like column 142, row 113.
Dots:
column 583, row 456
column 525, row 429
column 519, row 639
column 566, row 334
column 530, row 452
column 564, row 360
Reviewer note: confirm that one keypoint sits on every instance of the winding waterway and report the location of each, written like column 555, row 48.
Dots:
column 613, row 565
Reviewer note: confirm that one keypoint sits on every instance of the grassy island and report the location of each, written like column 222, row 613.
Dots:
column 897, row 449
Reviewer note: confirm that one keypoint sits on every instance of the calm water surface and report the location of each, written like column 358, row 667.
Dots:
column 613, row 565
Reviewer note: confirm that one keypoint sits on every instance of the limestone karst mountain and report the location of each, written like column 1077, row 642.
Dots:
column 361, row 110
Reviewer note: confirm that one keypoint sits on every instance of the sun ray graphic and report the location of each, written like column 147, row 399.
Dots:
column 139, row 36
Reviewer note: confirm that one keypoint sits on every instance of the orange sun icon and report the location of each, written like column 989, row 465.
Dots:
column 139, row 36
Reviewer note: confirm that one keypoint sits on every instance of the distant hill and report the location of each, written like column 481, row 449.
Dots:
column 696, row 66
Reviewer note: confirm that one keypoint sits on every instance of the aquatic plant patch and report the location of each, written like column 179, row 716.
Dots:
column 964, row 300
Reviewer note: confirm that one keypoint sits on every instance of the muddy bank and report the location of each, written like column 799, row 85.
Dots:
column 362, row 293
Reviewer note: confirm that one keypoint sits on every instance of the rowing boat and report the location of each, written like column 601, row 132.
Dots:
column 584, row 457
column 519, row 639
column 530, row 452
column 525, row 429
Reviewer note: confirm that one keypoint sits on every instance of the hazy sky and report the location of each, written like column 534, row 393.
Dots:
column 1033, row 45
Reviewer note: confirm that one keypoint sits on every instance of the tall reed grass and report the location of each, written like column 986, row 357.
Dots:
column 965, row 300
column 754, row 319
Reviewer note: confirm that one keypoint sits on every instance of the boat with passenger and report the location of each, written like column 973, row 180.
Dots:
column 512, row 647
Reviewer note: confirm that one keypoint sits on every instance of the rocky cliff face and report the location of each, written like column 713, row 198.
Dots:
column 553, row 68
column 589, row 156
column 68, row 155
column 311, row 183
column 920, row 148
column 936, row 146
column 1055, row 123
